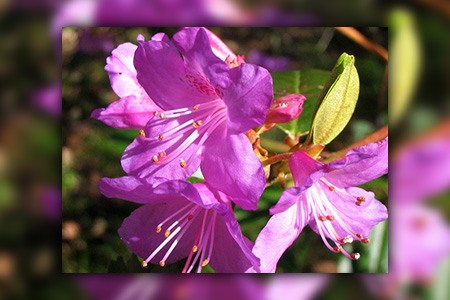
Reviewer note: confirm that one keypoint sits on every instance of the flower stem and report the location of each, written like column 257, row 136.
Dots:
column 276, row 158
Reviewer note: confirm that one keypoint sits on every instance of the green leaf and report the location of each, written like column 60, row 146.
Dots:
column 339, row 103
column 306, row 82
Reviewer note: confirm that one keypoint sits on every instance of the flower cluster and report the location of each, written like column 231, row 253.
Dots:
column 196, row 104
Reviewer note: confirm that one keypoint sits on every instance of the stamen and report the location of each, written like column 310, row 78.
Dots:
column 365, row 240
column 337, row 249
column 359, row 203
column 359, row 236
column 196, row 107
column 144, row 264
column 142, row 133
column 331, row 188
column 183, row 163
column 155, row 158
column 195, row 248
column 161, row 154
column 330, row 218
column 195, row 125
column 199, row 122
column 322, row 218
column 162, row 116
column 161, row 137
column 162, row 263
column 355, row 256
column 167, row 233
column 361, row 199
column 156, row 113
column 347, row 240
column 204, row 262
column 158, row 229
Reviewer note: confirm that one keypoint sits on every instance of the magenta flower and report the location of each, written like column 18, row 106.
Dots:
column 182, row 220
column 325, row 198
column 285, row 109
column 206, row 108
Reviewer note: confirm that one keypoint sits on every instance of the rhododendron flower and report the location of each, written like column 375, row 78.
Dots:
column 182, row 220
column 326, row 198
column 206, row 108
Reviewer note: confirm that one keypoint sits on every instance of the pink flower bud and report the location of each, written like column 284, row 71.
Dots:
column 285, row 109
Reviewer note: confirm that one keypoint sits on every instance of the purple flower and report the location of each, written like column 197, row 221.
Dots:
column 325, row 198
column 182, row 220
column 206, row 108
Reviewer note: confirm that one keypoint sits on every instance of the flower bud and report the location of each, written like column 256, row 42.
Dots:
column 285, row 109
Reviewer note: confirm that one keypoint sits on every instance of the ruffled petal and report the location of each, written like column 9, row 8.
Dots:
column 129, row 188
column 194, row 45
column 361, row 165
column 279, row 233
column 231, row 166
column 305, row 170
column 126, row 113
column 166, row 79
column 139, row 234
column 248, row 98
column 122, row 74
column 232, row 251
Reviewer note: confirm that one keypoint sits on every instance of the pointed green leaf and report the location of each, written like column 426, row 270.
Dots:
column 339, row 103
column 306, row 82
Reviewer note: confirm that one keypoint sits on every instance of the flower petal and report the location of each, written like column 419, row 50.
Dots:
column 129, row 188
column 231, row 166
column 194, row 45
column 126, row 113
column 138, row 231
column 164, row 76
column 232, row 251
column 122, row 74
column 287, row 199
column 279, row 233
column 361, row 164
column 305, row 170
column 285, row 109
column 248, row 98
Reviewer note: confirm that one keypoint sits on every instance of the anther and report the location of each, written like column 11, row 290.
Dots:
column 331, row 188
column 190, row 217
column 365, row 240
column 347, row 240
column 322, row 218
column 161, row 154
column 162, row 263
column 355, row 256
column 167, row 233
column 194, row 248
column 161, row 137
column 205, row 262
column 162, row 116
column 158, row 229
column 330, row 218
column 337, row 248
column 143, row 263
column 199, row 122
column 155, row 113
column 358, row 203
column 195, row 125
column 359, row 236
column 183, row 163
column 196, row 107
column 361, row 199
column 155, row 158
column 142, row 133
